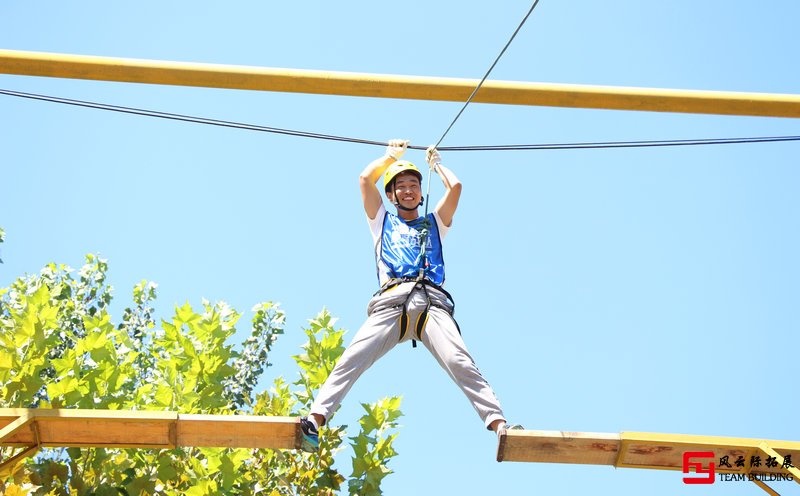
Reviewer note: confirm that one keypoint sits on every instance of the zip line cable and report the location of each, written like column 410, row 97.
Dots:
column 496, row 60
column 306, row 134
column 186, row 118
column 425, row 232
column 622, row 144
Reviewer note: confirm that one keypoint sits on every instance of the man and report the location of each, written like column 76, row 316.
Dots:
column 411, row 304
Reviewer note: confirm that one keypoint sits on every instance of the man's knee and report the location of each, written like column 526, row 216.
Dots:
column 458, row 360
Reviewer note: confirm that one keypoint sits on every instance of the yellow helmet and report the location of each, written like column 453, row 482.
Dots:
column 398, row 167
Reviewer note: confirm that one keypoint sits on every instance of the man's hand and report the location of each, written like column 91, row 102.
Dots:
column 396, row 148
column 446, row 207
column 433, row 158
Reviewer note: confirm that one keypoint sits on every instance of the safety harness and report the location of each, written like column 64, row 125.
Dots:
column 422, row 319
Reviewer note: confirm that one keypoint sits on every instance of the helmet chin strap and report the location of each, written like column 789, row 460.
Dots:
column 397, row 204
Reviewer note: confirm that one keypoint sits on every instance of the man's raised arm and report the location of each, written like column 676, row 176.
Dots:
column 370, row 194
column 446, row 208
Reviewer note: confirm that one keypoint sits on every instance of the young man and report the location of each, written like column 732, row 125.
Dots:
column 411, row 304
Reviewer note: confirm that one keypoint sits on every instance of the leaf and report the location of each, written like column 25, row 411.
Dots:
column 68, row 362
column 185, row 315
column 15, row 490
column 163, row 396
column 61, row 388
column 199, row 489
column 228, row 473
column 104, row 354
column 95, row 339
column 166, row 469
column 25, row 327
column 6, row 359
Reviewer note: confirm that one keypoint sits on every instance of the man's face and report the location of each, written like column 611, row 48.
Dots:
column 407, row 190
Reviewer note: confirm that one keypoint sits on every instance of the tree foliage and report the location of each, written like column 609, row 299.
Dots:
column 60, row 348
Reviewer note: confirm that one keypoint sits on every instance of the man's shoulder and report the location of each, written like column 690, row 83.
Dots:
column 379, row 215
column 376, row 223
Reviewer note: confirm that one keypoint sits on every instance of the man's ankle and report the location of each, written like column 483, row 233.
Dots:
column 497, row 425
column 316, row 419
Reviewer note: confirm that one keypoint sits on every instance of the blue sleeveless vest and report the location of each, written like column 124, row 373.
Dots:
column 400, row 254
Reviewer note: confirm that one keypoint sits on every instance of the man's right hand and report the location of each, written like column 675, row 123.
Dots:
column 396, row 148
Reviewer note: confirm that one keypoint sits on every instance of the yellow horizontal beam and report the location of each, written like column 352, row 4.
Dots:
column 392, row 86
column 144, row 429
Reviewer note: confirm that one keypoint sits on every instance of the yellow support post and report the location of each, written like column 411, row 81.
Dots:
column 780, row 460
column 766, row 488
column 391, row 86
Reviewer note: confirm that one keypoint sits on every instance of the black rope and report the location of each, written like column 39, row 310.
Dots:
column 306, row 134
column 508, row 43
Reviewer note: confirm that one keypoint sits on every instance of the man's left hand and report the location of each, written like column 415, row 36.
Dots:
column 433, row 157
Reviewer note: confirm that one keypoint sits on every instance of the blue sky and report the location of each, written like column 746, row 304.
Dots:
column 598, row 290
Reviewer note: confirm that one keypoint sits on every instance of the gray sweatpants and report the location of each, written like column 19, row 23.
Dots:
column 381, row 332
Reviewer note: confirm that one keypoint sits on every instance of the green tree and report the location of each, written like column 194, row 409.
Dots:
column 60, row 348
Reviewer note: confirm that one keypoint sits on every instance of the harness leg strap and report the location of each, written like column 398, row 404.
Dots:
column 403, row 323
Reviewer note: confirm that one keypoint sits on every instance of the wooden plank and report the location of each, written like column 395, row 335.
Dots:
column 238, row 431
column 148, row 429
column 98, row 428
column 558, row 447
column 394, row 86
column 641, row 450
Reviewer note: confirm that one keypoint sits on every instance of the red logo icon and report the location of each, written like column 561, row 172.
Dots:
column 698, row 467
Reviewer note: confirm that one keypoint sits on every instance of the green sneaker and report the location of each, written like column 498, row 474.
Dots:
column 310, row 441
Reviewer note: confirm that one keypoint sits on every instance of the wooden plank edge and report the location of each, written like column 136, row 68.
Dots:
column 54, row 414
column 501, row 445
column 722, row 442
column 298, row 434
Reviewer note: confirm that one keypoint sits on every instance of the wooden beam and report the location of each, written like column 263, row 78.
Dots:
column 147, row 429
column 392, row 86
column 638, row 449
column 7, row 466
column 16, row 425
column 558, row 447
column 239, row 431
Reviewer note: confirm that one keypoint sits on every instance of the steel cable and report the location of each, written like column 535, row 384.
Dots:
column 332, row 137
